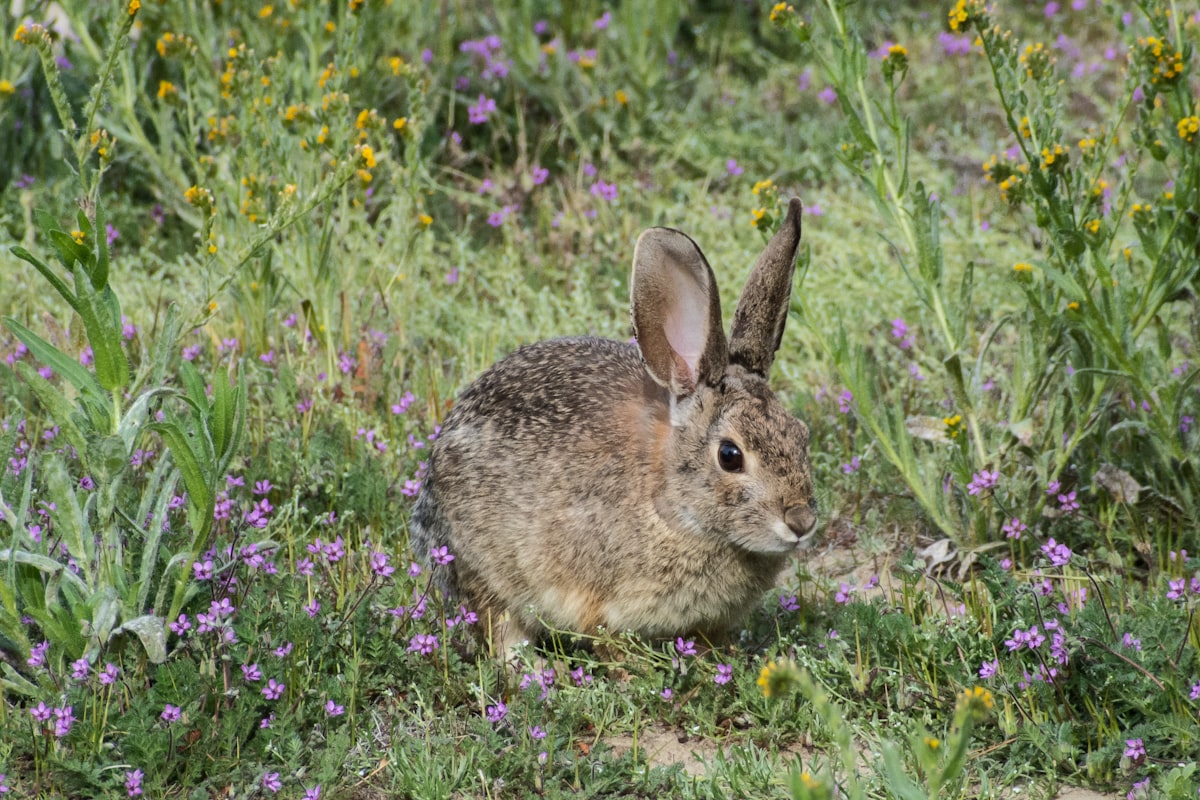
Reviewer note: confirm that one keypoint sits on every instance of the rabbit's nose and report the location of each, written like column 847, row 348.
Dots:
column 801, row 519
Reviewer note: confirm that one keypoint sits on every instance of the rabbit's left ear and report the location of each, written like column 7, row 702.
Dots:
column 762, row 311
column 676, row 312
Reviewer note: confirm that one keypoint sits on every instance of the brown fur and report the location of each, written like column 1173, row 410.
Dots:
column 577, row 482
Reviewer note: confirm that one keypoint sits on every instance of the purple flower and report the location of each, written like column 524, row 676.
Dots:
column 133, row 782
column 109, row 674
column 312, row 608
column 40, row 712
column 380, row 565
column 423, row 644
column 666, row 694
column 989, row 668
column 843, row 594
column 171, row 713
column 605, row 191
column 683, row 648
column 202, row 570
column 603, row 22
column 724, row 674
column 788, row 602
column 271, row 782
column 1068, row 503
column 982, row 481
column 731, row 166
column 332, row 709
column 852, row 466
column 580, row 677
column 1014, row 528
column 1177, row 589
column 844, row 401
column 441, row 555
column 37, row 654
column 63, row 719
column 537, row 733
column 1135, row 750
column 181, row 626
column 478, row 113
column 496, row 713
column 80, row 669
column 828, row 95
column 1129, row 641
column 273, row 690
column 284, row 650
column 1030, row 639
column 251, row 673
column 1059, row 554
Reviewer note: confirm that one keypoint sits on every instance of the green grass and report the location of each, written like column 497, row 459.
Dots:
column 295, row 286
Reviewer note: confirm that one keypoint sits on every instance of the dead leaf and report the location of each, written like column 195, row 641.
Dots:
column 1119, row 484
column 931, row 429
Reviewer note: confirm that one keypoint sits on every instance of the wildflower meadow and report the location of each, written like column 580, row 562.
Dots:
column 250, row 251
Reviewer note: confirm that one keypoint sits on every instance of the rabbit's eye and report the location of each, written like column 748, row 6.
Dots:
column 729, row 456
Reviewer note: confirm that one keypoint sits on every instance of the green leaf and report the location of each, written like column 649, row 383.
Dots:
column 61, row 410
column 151, row 630
column 44, row 564
column 58, row 283
column 100, row 272
column 70, row 252
column 102, row 318
column 70, row 522
column 899, row 784
column 200, row 492
column 57, row 360
column 164, row 346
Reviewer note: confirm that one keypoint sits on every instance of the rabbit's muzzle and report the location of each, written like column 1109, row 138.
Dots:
column 801, row 520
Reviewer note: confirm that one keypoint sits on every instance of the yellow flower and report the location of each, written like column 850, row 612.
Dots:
column 1092, row 225
column 368, row 156
column 400, row 123
column 933, row 743
column 134, row 5
column 776, row 678
column 621, row 97
column 757, row 214
column 165, row 88
column 897, row 50
column 395, row 62
column 6, row 87
column 780, row 12
column 1189, row 127
column 330, row 26
column 1072, row 306
column 958, row 15
column 762, row 186
column 363, row 175
column 977, row 700
column 954, row 425
column 212, row 304
column 77, row 236
column 764, row 678
column 266, row 11
column 425, row 220
column 1021, row 266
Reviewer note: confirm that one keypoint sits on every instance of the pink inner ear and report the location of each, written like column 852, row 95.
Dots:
column 686, row 329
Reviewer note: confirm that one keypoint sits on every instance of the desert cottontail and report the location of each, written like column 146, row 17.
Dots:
column 656, row 487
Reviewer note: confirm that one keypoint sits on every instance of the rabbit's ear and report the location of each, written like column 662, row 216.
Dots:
column 676, row 311
column 762, row 311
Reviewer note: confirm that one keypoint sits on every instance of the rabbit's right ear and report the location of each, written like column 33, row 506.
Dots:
column 676, row 312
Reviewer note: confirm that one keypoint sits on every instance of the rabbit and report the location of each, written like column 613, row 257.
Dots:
column 657, row 487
